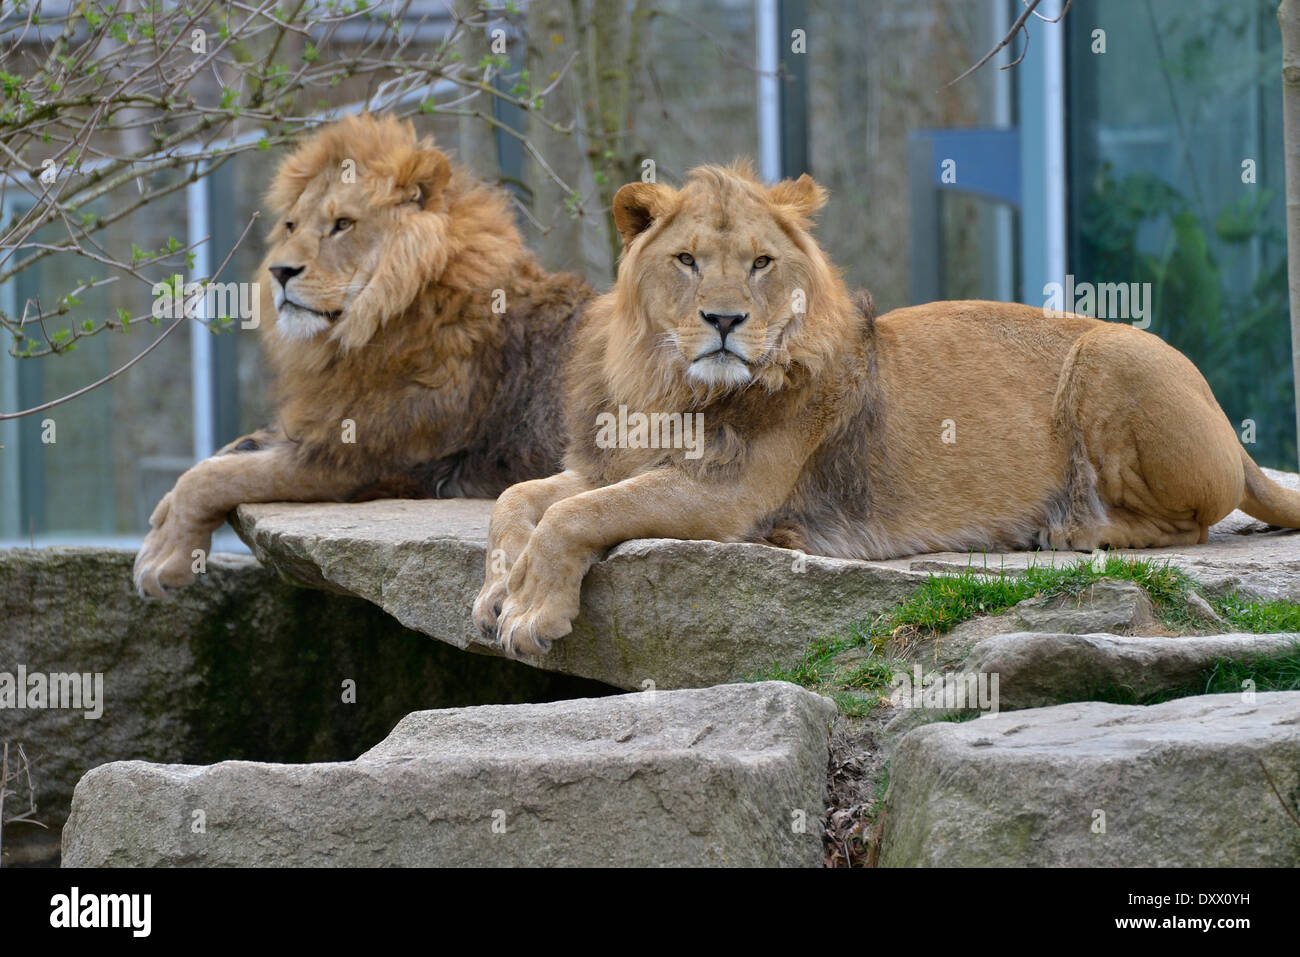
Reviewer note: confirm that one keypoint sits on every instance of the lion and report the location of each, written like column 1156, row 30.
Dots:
column 416, row 345
column 948, row 426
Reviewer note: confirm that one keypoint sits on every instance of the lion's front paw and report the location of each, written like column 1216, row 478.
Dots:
column 166, row 559
column 541, row 603
column 529, row 629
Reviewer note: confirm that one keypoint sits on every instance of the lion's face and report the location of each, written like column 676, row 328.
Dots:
column 361, row 229
column 721, row 270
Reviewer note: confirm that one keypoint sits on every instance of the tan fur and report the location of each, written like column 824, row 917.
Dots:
column 1067, row 432
column 389, row 331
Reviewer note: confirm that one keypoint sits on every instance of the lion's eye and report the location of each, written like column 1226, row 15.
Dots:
column 686, row 259
column 762, row 262
column 341, row 224
column 288, row 227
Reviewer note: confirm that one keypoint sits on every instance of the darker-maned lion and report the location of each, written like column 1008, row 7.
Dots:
column 417, row 346
column 953, row 425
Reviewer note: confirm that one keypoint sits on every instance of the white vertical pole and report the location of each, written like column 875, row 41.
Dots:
column 1054, row 213
column 203, row 410
column 766, row 26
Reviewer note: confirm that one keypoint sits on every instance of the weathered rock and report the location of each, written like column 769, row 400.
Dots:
column 678, row 614
column 1179, row 784
column 1117, row 607
column 718, row 776
column 239, row 665
column 952, row 648
column 1044, row 669
column 1202, row 609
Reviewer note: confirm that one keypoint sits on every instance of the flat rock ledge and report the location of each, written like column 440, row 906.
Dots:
column 1180, row 784
column 673, row 614
column 733, row 775
column 655, row 613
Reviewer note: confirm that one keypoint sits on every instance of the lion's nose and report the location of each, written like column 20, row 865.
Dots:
column 724, row 322
column 283, row 274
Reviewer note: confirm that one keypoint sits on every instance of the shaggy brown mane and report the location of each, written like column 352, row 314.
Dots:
column 421, row 352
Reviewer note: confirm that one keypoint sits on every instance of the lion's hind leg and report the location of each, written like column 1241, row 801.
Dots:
column 1127, row 529
column 1149, row 442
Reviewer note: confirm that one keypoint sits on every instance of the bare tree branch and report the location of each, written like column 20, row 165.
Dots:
column 20, row 774
column 1018, row 26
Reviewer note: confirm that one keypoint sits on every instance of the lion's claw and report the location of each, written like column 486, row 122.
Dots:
column 525, row 631
column 487, row 606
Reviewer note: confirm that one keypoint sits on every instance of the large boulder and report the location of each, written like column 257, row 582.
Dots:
column 1044, row 669
column 731, row 775
column 667, row 614
column 239, row 665
column 1203, row 781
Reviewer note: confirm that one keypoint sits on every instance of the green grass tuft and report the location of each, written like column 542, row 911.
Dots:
column 1266, row 617
column 945, row 601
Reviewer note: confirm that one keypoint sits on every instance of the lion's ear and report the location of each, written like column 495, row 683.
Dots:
column 422, row 176
column 803, row 194
column 636, row 206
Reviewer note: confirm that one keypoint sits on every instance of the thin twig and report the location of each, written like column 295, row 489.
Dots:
column 1016, row 27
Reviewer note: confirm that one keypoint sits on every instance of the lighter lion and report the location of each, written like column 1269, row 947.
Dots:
column 948, row 426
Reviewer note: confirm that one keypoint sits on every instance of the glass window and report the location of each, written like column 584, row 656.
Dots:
column 1182, row 187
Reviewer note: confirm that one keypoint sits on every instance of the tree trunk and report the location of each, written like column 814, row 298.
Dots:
column 550, row 42
column 1288, row 17
column 478, row 144
column 610, row 36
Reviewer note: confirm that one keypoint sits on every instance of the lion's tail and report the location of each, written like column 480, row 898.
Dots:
column 1266, row 500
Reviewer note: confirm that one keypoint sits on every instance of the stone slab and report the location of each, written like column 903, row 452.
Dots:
column 733, row 775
